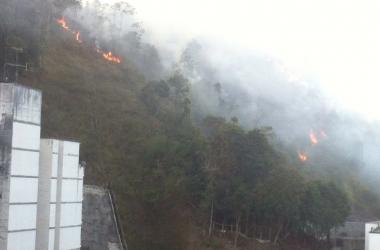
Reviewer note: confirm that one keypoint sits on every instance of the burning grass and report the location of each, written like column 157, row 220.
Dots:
column 107, row 55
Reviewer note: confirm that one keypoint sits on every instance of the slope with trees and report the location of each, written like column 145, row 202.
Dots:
column 172, row 176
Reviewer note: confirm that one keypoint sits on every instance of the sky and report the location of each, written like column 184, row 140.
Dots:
column 337, row 43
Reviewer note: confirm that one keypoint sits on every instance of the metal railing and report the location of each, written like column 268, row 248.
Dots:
column 117, row 220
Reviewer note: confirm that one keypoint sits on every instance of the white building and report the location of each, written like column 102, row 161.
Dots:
column 372, row 235
column 40, row 180
column 20, row 110
column 59, row 216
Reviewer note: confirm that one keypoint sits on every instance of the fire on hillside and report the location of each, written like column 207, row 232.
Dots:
column 109, row 56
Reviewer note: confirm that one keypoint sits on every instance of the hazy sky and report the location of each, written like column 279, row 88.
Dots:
column 335, row 42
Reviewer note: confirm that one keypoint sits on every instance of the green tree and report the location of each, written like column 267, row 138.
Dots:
column 324, row 206
column 166, row 175
column 237, row 160
column 278, row 200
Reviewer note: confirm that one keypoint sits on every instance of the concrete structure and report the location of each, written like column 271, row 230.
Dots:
column 99, row 228
column 20, row 110
column 60, row 196
column 372, row 235
column 41, row 182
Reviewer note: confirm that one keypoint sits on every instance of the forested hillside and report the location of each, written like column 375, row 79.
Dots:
column 184, row 178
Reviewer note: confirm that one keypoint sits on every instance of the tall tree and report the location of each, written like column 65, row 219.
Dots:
column 324, row 206
column 278, row 200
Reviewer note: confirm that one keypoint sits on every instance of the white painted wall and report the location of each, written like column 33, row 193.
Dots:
column 24, row 169
column 71, row 214
column 368, row 227
column 55, row 165
column 80, row 189
column 26, row 136
column 53, row 190
column 23, row 190
column 374, row 241
column 66, row 196
column 21, row 240
column 70, row 166
column 70, row 238
column 24, row 163
column 52, row 215
column 22, row 217
column 70, row 148
column 27, row 104
column 23, row 204
column 72, row 190
column 51, row 239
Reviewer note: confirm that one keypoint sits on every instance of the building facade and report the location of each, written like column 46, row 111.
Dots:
column 40, row 180
column 20, row 110
column 60, row 196
column 372, row 235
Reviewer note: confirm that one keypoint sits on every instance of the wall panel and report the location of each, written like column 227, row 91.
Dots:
column 26, row 136
column 70, row 238
column 23, row 190
column 71, row 191
column 71, row 214
column 22, row 217
column 70, row 166
column 21, row 240
column 24, row 163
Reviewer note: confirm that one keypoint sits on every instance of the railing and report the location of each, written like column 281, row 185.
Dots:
column 119, row 227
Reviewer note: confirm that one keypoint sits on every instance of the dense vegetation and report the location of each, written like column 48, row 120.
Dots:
column 174, row 180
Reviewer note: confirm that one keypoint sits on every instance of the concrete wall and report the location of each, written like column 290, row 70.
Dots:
column 40, row 204
column 20, row 110
column 374, row 241
column 368, row 227
column 68, row 210
column 61, row 202
column 44, row 195
column 6, row 125
column 99, row 230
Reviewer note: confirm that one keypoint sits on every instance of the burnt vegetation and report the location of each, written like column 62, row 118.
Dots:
column 183, row 178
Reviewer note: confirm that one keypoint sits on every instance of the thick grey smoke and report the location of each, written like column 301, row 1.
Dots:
column 253, row 87
column 113, row 27
column 256, row 90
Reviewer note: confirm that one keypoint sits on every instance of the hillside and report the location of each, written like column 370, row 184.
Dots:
column 88, row 99
column 181, row 184
column 107, row 107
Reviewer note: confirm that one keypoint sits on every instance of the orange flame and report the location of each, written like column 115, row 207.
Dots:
column 313, row 138
column 108, row 56
column 77, row 37
column 63, row 23
column 302, row 156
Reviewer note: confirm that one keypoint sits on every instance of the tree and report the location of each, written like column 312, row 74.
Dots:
column 324, row 206
column 237, row 160
column 166, row 176
column 24, row 26
column 278, row 200
column 229, row 193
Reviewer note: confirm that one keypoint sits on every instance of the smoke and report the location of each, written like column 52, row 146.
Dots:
column 254, row 86
column 260, row 92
